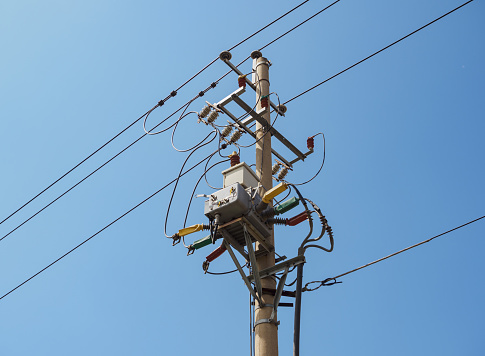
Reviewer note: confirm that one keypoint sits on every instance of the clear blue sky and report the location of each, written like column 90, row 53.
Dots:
column 405, row 144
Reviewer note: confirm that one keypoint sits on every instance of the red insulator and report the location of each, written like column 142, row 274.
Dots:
column 242, row 81
column 216, row 253
column 234, row 159
column 297, row 219
column 310, row 143
column 264, row 102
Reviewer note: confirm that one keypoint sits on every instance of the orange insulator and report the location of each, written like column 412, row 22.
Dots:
column 241, row 80
column 310, row 143
column 234, row 159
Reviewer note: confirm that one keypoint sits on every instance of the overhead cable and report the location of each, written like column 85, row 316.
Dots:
column 375, row 53
column 105, row 227
column 160, row 103
column 333, row 280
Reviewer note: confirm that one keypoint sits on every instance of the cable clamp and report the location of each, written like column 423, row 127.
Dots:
column 176, row 239
column 261, row 306
column 266, row 321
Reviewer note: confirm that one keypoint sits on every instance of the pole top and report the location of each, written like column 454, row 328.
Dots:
column 225, row 55
column 256, row 54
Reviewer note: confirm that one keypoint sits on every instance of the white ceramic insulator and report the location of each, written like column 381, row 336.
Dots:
column 205, row 110
column 212, row 116
column 283, row 173
column 236, row 136
column 227, row 130
column 275, row 169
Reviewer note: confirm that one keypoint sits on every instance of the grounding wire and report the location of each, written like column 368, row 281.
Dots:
column 104, row 228
column 379, row 51
column 334, row 279
column 160, row 103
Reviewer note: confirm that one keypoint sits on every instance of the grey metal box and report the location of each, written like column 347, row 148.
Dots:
column 230, row 202
column 242, row 174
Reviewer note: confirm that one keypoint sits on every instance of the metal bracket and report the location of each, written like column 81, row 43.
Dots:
column 279, row 267
column 251, row 84
column 254, row 265
column 264, row 321
column 241, row 272
column 279, row 291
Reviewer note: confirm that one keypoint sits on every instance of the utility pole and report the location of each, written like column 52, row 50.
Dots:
column 266, row 331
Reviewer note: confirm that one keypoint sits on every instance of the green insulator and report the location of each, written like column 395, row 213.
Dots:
column 202, row 242
column 287, row 205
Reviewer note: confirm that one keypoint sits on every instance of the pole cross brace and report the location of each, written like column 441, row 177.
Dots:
column 251, row 85
column 241, row 272
column 270, row 271
column 254, row 265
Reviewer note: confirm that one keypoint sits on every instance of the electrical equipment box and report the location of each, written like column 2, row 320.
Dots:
column 242, row 174
column 230, row 202
column 233, row 203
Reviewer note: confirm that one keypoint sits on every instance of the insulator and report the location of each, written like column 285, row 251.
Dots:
column 205, row 110
column 278, row 221
column 227, row 131
column 236, row 136
column 283, row 173
column 212, row 116
column 241, row 81
column 265, row 101
column 310, row 143
column 235, row 159
column 275, row 169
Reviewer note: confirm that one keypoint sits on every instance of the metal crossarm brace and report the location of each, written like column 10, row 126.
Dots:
column 265, row 124
column 242, row 125
column 254, row 265
column 279, row 291
column 241, row 272
column 251, row 84
column 231, row 240
column 279, row 267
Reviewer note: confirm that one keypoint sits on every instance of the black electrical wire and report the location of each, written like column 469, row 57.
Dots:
column 321, row 166
column 228, row 272
column 333, row 280
column 160, row 103
column 379, row 51
column 76, row 166
column 301, row 23
column 197, row 184
column 104, row 228
column 86, row 177
column 206, row 170
column 179, row 176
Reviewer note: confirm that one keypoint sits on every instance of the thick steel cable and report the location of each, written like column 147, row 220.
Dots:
column 379, row 51
column 104, row 228
column 334, row 279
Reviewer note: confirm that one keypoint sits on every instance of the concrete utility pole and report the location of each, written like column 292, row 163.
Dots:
column 266, row 333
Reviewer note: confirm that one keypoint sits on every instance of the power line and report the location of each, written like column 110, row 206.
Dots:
column 333, row 280
column 160, row 103
column 379, row 51
column 105, row 227
column 201, row 93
